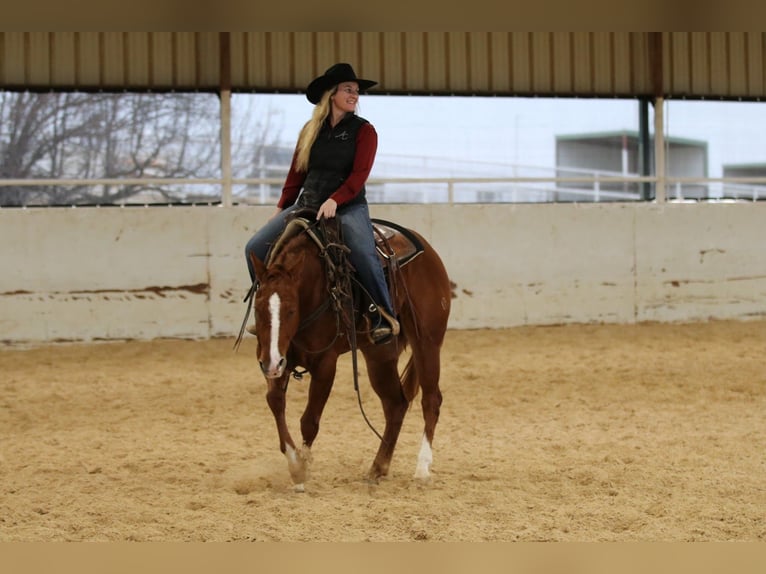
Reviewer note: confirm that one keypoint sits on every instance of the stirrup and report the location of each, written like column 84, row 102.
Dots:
column 381, row 335
column 387, row 329
column 395, row 327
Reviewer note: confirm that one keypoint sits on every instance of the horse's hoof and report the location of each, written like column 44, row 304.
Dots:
column 298, row 464
column 422, row 478
column 299, row 488
column 372, row 480
column 422, row 473
column 375, row 476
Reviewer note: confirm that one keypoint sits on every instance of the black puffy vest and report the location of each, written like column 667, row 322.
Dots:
column 331, row 162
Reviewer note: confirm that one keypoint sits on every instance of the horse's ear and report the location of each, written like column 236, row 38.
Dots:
column 258, row 266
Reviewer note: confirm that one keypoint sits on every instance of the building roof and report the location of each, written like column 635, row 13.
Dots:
column 615, row 138
column 745, row 165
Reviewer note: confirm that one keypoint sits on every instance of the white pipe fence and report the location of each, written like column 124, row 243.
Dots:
column 751, row 188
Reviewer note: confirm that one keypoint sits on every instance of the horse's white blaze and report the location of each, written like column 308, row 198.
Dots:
column 425, row 458
column 274, row 304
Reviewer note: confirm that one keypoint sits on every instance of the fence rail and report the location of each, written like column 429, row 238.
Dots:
column 593, row 188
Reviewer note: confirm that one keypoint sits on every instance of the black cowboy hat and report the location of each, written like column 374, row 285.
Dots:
column 332, row 77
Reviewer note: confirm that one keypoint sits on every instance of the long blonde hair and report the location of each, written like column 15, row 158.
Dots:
column 311, row 129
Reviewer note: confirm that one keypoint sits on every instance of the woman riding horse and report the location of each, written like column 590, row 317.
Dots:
column 332, row 160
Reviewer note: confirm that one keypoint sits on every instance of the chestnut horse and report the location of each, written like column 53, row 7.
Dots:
column 301, row 320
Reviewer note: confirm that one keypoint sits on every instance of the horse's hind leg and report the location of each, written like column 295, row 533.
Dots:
column 427, row 367
column 384, row 378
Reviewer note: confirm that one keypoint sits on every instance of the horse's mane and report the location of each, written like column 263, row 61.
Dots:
column 295, row 226
column 289, row 251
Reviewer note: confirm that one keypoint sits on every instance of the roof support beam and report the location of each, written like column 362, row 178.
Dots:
column 224, row 94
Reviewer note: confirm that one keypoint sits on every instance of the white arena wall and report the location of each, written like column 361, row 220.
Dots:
column 85, row 274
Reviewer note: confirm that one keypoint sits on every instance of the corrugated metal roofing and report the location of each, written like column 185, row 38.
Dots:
column 621, row 64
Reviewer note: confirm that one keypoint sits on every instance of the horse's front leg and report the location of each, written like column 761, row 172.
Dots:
column 322, row 378
column 297, row 459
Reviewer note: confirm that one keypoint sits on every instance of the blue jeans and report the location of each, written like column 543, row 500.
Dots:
column 357, row 234
column 260, row 242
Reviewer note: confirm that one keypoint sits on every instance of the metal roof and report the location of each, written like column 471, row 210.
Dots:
column 584, row 64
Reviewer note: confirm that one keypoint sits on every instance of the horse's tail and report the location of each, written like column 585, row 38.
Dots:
column 410, row 381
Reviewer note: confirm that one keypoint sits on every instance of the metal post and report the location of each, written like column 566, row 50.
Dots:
column 596, row 189
column 659, row 149
column 224, row 39
column 226, row 191
column 645, row 154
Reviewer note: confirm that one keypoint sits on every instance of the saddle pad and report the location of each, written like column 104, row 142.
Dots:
column 391, row 238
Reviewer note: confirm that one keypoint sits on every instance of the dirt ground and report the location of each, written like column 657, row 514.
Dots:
column 572, row 433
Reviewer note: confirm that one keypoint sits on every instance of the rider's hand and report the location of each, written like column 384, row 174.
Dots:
column 327, row 209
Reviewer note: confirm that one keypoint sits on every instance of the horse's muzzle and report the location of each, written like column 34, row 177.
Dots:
column 273, row 372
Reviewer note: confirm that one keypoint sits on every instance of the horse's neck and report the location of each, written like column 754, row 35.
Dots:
column 312, row 277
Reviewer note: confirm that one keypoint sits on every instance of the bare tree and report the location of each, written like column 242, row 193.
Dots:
column 87, row 136
column 256, row 148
